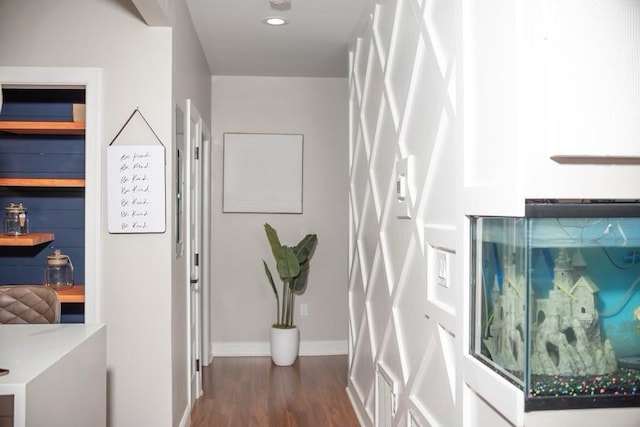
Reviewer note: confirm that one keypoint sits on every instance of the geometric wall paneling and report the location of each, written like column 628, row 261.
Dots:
column 442, row 177
column 358, row 180
column 439, row 16
column 452, row 84
column 423, row 373
column 389, row 357
column 395, row 238
column 354, row 114
column 406, row 111
column 448, row 347
column 383, row 28
column 373, row 86
column 356, row 299
column 424, row 108
column 417, row 6
column 368, row 236
column 371, row 401
column 363, row 44
column 363, row 363
column 441, row 287
column 402, row 56
column 408, row 311
column 378, row 303
column 415, row 419
column 435, row 390
column 382, row 155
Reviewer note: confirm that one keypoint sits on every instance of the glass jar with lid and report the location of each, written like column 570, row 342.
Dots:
column 16, row 222
column 58, row 273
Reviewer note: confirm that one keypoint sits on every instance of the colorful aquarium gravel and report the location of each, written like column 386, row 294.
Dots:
column 624, row 382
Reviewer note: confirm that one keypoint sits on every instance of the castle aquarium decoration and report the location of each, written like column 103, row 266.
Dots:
column 555, row 299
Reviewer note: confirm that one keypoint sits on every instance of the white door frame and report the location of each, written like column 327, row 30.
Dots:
column 91, row 80
column 205, row 254
column 193, row 208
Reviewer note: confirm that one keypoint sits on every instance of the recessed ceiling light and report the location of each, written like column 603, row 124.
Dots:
column 276, row 21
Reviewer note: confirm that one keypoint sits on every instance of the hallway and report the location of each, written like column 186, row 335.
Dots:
column 253, row 392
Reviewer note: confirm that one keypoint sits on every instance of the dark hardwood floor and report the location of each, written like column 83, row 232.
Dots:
column 253, row 392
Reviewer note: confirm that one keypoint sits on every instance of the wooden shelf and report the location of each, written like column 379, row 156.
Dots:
column 42, row 182
column 43, row 128
column 73, row 294
column 31, row 239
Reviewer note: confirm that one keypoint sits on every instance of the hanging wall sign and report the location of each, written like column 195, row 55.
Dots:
column 136, row 186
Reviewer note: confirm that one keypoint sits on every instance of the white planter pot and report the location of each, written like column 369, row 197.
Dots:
column 284, row 345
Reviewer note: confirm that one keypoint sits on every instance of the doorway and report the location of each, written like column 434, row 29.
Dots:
column 196, row 137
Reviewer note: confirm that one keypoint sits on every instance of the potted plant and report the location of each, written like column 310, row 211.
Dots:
column 292, row 265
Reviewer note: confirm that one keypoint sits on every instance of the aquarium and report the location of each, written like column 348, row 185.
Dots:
column 555, row 300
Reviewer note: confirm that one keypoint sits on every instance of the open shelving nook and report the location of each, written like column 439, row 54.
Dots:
column 83, row 188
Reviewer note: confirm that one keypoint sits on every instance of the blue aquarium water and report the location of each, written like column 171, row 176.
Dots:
column 556, row 307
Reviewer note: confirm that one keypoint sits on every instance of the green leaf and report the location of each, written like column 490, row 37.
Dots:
column 270, row 277
column 274, row 241
column 299, row 283
column 305, row 248
column 288, row 266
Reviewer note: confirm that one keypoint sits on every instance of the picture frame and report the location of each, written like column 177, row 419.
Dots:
column 262, row 173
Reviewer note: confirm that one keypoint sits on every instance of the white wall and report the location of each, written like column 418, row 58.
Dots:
column 469, row 89
column 404, row 103
column 137, row 304
column 243, row 305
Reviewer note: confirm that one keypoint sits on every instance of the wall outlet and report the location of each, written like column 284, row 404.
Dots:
column 304, row 309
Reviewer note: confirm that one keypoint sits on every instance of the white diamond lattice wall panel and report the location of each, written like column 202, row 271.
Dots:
column 407, row 110
column 383, row 27
column 402, row 56
column 372, row 96
column 383, row 156
column 409, row 310
column 378, row 302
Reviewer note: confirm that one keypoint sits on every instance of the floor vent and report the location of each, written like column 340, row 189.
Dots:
column 386, row 394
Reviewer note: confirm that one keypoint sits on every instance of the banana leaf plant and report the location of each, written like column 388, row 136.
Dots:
column 292, row 264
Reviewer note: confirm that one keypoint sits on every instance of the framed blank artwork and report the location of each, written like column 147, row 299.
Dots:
column 262, row 173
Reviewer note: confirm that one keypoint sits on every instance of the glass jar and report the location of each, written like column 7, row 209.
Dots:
column 58, row 273
column 16, row 222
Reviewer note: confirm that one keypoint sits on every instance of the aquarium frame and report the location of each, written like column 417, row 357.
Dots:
column 557, row 208
column 473, row 320
column 546, row 208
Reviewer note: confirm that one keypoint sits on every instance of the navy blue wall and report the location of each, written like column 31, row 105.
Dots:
column 56, row 210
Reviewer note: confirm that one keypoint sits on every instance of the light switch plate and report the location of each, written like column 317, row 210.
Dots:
column 442, row 265
column 402, row 189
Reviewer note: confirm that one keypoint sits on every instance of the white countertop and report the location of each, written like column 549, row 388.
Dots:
column 28, row 350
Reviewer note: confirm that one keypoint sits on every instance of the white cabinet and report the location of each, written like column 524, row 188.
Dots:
column 57, row 374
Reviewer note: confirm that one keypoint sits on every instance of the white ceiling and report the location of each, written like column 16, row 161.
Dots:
column 313, row 44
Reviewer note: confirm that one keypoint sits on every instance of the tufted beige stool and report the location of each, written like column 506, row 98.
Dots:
column 28, row 304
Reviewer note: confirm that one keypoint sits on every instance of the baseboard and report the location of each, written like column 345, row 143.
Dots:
column 307, row 348
column 186, row 418
column 358, row 409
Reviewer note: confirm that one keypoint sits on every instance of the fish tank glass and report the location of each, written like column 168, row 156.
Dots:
column 556, row 302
